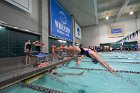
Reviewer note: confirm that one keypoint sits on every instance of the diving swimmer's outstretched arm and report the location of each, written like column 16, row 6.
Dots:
column 103, row 63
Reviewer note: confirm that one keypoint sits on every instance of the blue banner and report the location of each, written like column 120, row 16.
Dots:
column 61, row 22
column 77, row 31
column 116, row 30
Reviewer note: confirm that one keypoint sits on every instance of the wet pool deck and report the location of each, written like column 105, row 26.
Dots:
column 12, row 74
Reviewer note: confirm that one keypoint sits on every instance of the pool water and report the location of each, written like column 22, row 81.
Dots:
column 95, row 78
column 18, row 89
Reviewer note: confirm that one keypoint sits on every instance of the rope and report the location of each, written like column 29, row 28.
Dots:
column 117, row 62
column 64, row 83
column 40, row 88
column 121, row 71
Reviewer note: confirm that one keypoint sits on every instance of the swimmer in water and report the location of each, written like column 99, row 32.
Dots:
column 75, row 50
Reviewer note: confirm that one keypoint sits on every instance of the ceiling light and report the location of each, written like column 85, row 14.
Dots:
column 26, row 30
column 107, row 17
column 131, row 13
column 1, row 27
column 60, row 40
column 15, row 27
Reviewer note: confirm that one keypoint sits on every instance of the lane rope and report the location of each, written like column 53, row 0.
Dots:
column 40, row 88
column 121, row 71
column 117, row 62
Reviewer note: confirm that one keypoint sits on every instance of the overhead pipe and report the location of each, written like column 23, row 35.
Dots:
column 122, row 9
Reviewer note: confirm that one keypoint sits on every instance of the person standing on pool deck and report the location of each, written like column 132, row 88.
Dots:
column 27, row 50
column 53, row 51
column 75, row 50
column 121, row 47
column 60, row 52
column 38, row 44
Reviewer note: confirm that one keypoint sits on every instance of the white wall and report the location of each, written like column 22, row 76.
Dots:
column 129, row 23
column 138, row 20
column 95, row 35
column 90, row 36
column 138, row 28
column 18, row 17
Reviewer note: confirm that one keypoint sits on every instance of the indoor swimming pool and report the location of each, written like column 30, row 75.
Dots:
column 89, row 77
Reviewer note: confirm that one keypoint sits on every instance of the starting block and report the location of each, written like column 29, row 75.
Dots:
column 39, row 58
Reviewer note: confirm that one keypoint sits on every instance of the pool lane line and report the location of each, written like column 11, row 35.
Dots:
column 117, row 62
column 121, row 71
column 40, row 88
column 115, row 58
column 120, row 58
column 112, row 58
column 63, row 82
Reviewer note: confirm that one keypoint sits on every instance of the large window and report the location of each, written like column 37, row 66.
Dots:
column 12, row 42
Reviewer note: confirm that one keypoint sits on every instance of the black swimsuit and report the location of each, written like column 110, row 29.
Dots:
column 84, row 52
column 28, row 46
column 38, row 48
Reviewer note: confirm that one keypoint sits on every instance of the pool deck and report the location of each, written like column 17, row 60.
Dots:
column 16, row 73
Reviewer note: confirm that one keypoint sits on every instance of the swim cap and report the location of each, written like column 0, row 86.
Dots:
column 94, row 61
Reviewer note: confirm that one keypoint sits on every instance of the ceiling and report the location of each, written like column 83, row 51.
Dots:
column 89, row 12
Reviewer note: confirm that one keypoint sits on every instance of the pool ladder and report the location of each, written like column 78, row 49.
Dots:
column 40, row 88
